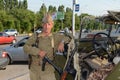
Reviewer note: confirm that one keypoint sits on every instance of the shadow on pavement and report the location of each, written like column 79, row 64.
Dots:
column 19, row 63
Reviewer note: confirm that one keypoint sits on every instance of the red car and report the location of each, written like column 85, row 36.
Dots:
column 5, row 38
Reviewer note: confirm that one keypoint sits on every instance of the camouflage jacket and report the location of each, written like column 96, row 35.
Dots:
column 44, row 43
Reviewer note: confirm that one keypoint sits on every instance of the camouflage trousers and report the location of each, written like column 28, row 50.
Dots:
column 37, row 74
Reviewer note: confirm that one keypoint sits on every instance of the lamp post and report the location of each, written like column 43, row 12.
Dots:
column 73, row 18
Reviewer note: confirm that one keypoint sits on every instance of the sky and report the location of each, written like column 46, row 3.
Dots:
column 92, row 7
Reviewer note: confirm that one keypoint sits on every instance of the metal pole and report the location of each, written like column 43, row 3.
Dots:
column 73, row 18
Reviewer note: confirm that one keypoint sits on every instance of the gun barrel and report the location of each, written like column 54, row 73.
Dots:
column 59, row 70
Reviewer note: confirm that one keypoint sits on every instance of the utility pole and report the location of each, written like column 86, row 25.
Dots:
column 73, row 18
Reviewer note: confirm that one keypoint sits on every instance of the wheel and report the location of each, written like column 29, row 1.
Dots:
column 104, row 46
column 8, row 60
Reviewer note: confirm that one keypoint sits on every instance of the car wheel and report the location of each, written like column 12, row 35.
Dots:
column 8, row 60
column 14, row 41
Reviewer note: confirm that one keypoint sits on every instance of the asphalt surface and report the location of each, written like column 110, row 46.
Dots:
column 15, row 71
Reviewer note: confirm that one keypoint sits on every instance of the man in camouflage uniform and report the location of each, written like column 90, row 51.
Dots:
column 47, row 43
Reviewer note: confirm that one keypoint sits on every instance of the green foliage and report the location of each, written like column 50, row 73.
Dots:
column 51, row 9
column 26, row 19
column 25, row 4
column 77, row 20
column 26, row 26
column 1, row 5
column 1, row 26
column 68, row 18
column 61, row 8
column 40, row 14
column 14, row 14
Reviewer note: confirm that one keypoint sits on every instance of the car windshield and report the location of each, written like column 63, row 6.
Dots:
column 12, row 30
column 21, row 42
column 9, row 30
column 1, row 34
column 5, row 30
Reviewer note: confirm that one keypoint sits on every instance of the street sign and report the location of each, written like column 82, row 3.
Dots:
column 76, row 7
column 60, row 15
column 54, row 15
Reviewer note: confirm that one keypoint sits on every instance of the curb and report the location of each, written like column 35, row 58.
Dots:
column 29, row 34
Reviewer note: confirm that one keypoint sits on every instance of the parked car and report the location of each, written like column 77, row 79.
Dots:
column 14, row 52
column 39, row 30
column 65, row 30
column 5, row 38
column 86, row 30
column 12, row 32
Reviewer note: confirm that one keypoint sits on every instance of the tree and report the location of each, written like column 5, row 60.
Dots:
column 61, row 8
column 6, row 4
column 12, row 4
column 43, row 9
column 17, row 25
column 6, row 20
column 1, row 26
column 1, row 5
column 68, row 18
column 22, row 18
column 40, row 14
column 77, row 22
column 22, row 4
column 14, row 14
column 51, row 9
column 10, row 24
column 25, row 5
column 15, row 3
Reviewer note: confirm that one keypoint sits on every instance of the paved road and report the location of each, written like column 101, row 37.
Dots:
column 15, row 71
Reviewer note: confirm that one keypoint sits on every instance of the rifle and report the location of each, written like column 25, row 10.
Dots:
column 67, row 68
column 68, row 65
column 46, row 59
column 62, row 73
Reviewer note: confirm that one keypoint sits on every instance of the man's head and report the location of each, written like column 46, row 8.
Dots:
column 47, row 23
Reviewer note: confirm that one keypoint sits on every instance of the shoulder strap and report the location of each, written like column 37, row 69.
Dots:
column 52, row 42
column 39, row 35
column 36, row 39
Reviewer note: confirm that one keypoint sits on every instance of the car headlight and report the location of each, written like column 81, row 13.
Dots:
column 4, row 54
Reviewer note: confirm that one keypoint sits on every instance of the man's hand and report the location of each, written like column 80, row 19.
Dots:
column 61, row 47
column 42, row 54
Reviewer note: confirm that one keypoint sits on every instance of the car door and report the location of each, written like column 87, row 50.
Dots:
column 18, row 53
column 2, row 39
column 7, row 38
